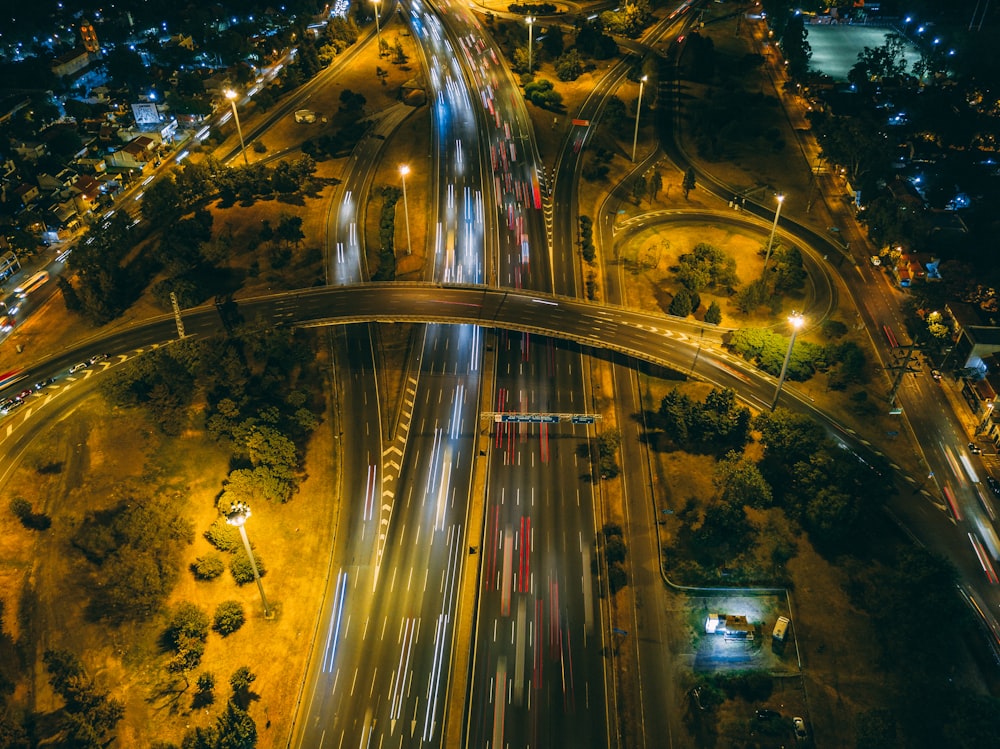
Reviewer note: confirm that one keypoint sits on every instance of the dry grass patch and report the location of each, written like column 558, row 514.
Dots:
column 74, row 468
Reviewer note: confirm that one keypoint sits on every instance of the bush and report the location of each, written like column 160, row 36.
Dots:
column 188, row 621
column 617, row 577
column 208, row 567
column 229, row 617
column 223, row 536
column 20, row 507
column 242, row 570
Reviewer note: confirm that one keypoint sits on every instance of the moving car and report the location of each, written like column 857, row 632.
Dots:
column 98, row 357
column 800, row 728
column 24, row 394
column 975, row 449
column 78, row 366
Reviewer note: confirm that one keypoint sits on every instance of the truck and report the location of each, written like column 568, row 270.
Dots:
column 780, row 630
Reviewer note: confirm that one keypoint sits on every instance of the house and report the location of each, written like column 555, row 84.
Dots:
column 915, row 266
column 26, row 193
column 974, row 341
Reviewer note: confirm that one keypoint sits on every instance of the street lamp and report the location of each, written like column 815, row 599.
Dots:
column 638, row 108
column 238, row 514
column 530, row 20
column 774, row 226
column 796, row 321
column 232, row 96
column 403, row 171
column 378, row 29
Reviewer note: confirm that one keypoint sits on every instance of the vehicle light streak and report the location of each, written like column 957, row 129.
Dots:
column 330, row 652
column 984, row 561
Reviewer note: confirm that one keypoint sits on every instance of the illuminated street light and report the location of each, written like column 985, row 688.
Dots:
column 638, row 108
column 796, row 321
column 238, row 514
column 378, row 29
column 774, row 226
column 403, row 171
column 232, row 96
column 530, row 20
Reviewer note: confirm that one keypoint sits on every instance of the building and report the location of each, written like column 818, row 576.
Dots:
column 70, row 63
column 732, row 627
column 89, row 38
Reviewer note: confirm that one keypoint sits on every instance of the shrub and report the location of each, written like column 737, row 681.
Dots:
column 241, row 568
column 223, row 536
column 21, row 508
column 208, row 567
column 229, row 617
column 617, row 576
column 188, row 621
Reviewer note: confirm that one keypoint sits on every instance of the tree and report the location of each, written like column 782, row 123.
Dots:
column 236, row 729
column 229, row 617
column 187, row 621
column 713, row 314
column 208, row 567
column 242, row 569
column 741, row 482
column 91, row 714
column 569, row 66
column 689, row 182
column 680, row 306
column 655, row 184
column 796, row 49
column 205, row 689
column 607, row 447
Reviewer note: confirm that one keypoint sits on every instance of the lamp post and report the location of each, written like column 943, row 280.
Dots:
column 638, row 108
column 378, row 29
column 774, row 227
column 232, row 96
column 796, row 321
column 238, row 514
column 403, row 171
column 530, row 20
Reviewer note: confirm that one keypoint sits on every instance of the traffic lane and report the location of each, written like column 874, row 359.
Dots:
column 534, row 564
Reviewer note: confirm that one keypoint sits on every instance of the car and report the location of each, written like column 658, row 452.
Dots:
column 78, row 366
column 975, row 449
column 24, row 394
column 994, row 484
column 12, row 405
column 97, row 357
column 5, row 404
column 936, row 374
column 765, row 714
column 44, row 383
column 800, row 728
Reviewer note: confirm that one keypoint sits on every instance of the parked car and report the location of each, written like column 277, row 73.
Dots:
column 78, row 366
column 994, row 484
column 800, row 728
column 765, row 714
